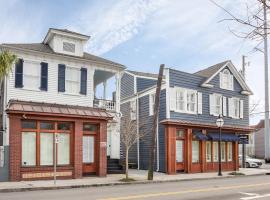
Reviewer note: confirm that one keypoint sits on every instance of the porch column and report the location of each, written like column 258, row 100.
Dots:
column 78, row 134
column 203, row 153
column 236, row 154
column 15, row 148
column 105, row 89
column 170, row 132
column 102, row 143
column 117, row 91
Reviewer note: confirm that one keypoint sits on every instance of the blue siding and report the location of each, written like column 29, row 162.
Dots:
column 186, row 80
column 4, row 171
column 144, row 83
column 127, row 85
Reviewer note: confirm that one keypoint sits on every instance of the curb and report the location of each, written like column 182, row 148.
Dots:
column 25, row 189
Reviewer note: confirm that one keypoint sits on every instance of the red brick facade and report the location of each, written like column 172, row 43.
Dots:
column 75, row 169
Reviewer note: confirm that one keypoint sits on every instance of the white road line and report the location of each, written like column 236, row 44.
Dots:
column 256, row 196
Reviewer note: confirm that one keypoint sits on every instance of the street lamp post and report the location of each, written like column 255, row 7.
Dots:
column 219, row 123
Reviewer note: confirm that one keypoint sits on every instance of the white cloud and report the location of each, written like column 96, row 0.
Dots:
column 116, row 23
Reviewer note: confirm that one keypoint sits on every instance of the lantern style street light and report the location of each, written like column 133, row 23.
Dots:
column 219, row 123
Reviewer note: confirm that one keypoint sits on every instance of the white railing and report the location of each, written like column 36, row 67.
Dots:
column 105, row 104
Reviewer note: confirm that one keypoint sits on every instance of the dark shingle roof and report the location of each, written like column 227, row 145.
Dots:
column 208, row 72
column 45, row 48
column 68, row 31
column 151, row 75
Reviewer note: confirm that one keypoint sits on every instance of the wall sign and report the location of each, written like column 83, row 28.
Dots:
column 243, row 139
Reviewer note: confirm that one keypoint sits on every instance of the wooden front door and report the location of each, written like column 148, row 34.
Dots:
column 90, row 153
column 180, row 150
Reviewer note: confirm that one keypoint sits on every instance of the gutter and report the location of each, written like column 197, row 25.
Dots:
column 138, row 139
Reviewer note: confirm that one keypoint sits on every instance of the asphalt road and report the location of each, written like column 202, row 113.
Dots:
column 242, row 188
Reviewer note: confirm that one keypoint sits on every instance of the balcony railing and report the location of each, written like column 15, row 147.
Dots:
column 105, row 104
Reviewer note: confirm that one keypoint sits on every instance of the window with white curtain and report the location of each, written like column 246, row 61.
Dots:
column 179, row 150
column 31, row 75
column 28, row 148
column 229, row 153
column 215, row 145
column 208, row 151
column 186, row 100
column 180, row 100
column 63, row 149
column 88, row 149
column 223, row 151
column 151, row 103
column 195, row 151
column 133, row 110
column 226, row 80
column 46, row 148
column 191, row 101
column 72, row 83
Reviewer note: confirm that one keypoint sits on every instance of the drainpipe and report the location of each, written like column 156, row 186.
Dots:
column 138, row 138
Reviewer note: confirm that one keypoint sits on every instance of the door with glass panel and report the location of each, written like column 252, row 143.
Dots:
column 180, row 150
column 89, row 148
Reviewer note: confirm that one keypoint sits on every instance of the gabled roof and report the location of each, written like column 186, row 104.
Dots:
column 210, row 72
column 68, row 31
column 45, row 48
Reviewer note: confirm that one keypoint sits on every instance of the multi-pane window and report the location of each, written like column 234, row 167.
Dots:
column 191, row 101
column 226, row 80
column 185, row 100
column 133, row 113
column 223, row 151
column 236, row 108
column 151, row 103
column 208, row 151
column 215, row 153
column 31, row 75
column 180, row 100
column 72, row 83
column 38, row 139
column 215, row 104
column 195, row 151
column 28, row 148
column 229, row 153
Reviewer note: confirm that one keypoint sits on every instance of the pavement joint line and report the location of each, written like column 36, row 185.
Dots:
column 25, row 189
column 185, row 192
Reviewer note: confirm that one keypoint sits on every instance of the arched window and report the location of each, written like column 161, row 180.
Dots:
column 226, row 80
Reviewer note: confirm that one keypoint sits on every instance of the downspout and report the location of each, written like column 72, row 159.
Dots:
column 138, row 138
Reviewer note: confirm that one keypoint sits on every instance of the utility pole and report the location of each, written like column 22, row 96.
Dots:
column 155, row 121
column 266, row 120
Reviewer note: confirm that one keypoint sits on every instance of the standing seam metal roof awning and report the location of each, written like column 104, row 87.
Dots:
column 200, row 136
column 227, row 137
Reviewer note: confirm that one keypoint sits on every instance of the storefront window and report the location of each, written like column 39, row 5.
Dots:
column 229, row 151
column 195, row 151
column 180, row 133
column 88, row 149
column 208, row 151
column 29, row 124
column 179, row 150
column 63, row 150
column 89, row 127
column 223, row 151
column 215, row 144
column 47, row 125
column 63, row 126
column 28, row 148
column 46, row 148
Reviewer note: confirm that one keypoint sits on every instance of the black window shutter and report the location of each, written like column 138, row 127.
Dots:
column 61, row 77
column 19, row 74
column 83, row 81
column 44, row 76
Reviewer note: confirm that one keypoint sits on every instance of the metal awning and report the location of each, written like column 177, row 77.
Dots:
column 200, row 136
column 226, row 137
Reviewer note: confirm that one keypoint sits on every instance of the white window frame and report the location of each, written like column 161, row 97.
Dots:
column 208, row 151
column 183, row 100
column 26, row 67
column 68, row 81
column 223, row 151
column 229, row 151
column 195, row 153
column 234, row 107
column 151, row 103
column 217, row 108
column 26, row 151
column 133, row 110
column 226, row 80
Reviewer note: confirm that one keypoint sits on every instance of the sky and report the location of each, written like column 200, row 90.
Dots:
column 142, row 34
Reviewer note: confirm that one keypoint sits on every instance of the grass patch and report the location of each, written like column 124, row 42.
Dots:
column 127, row 180
column 237, row 174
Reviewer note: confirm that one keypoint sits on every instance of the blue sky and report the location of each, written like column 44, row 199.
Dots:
column 140, row 34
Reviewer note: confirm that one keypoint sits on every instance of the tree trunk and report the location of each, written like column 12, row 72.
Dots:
column 126, row 163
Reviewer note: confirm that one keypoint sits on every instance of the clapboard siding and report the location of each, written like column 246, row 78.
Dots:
column 125, row 110
column 52, row 95
column 186, row 80
column 144, row 83
column 127, row 85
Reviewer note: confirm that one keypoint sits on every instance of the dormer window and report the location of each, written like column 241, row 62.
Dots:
column 69, row 47
column 226, row 80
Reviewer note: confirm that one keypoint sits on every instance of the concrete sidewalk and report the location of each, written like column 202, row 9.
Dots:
column 113, row 179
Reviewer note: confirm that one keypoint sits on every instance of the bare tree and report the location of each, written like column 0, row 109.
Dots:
column 253, row 108
column 130, row 136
